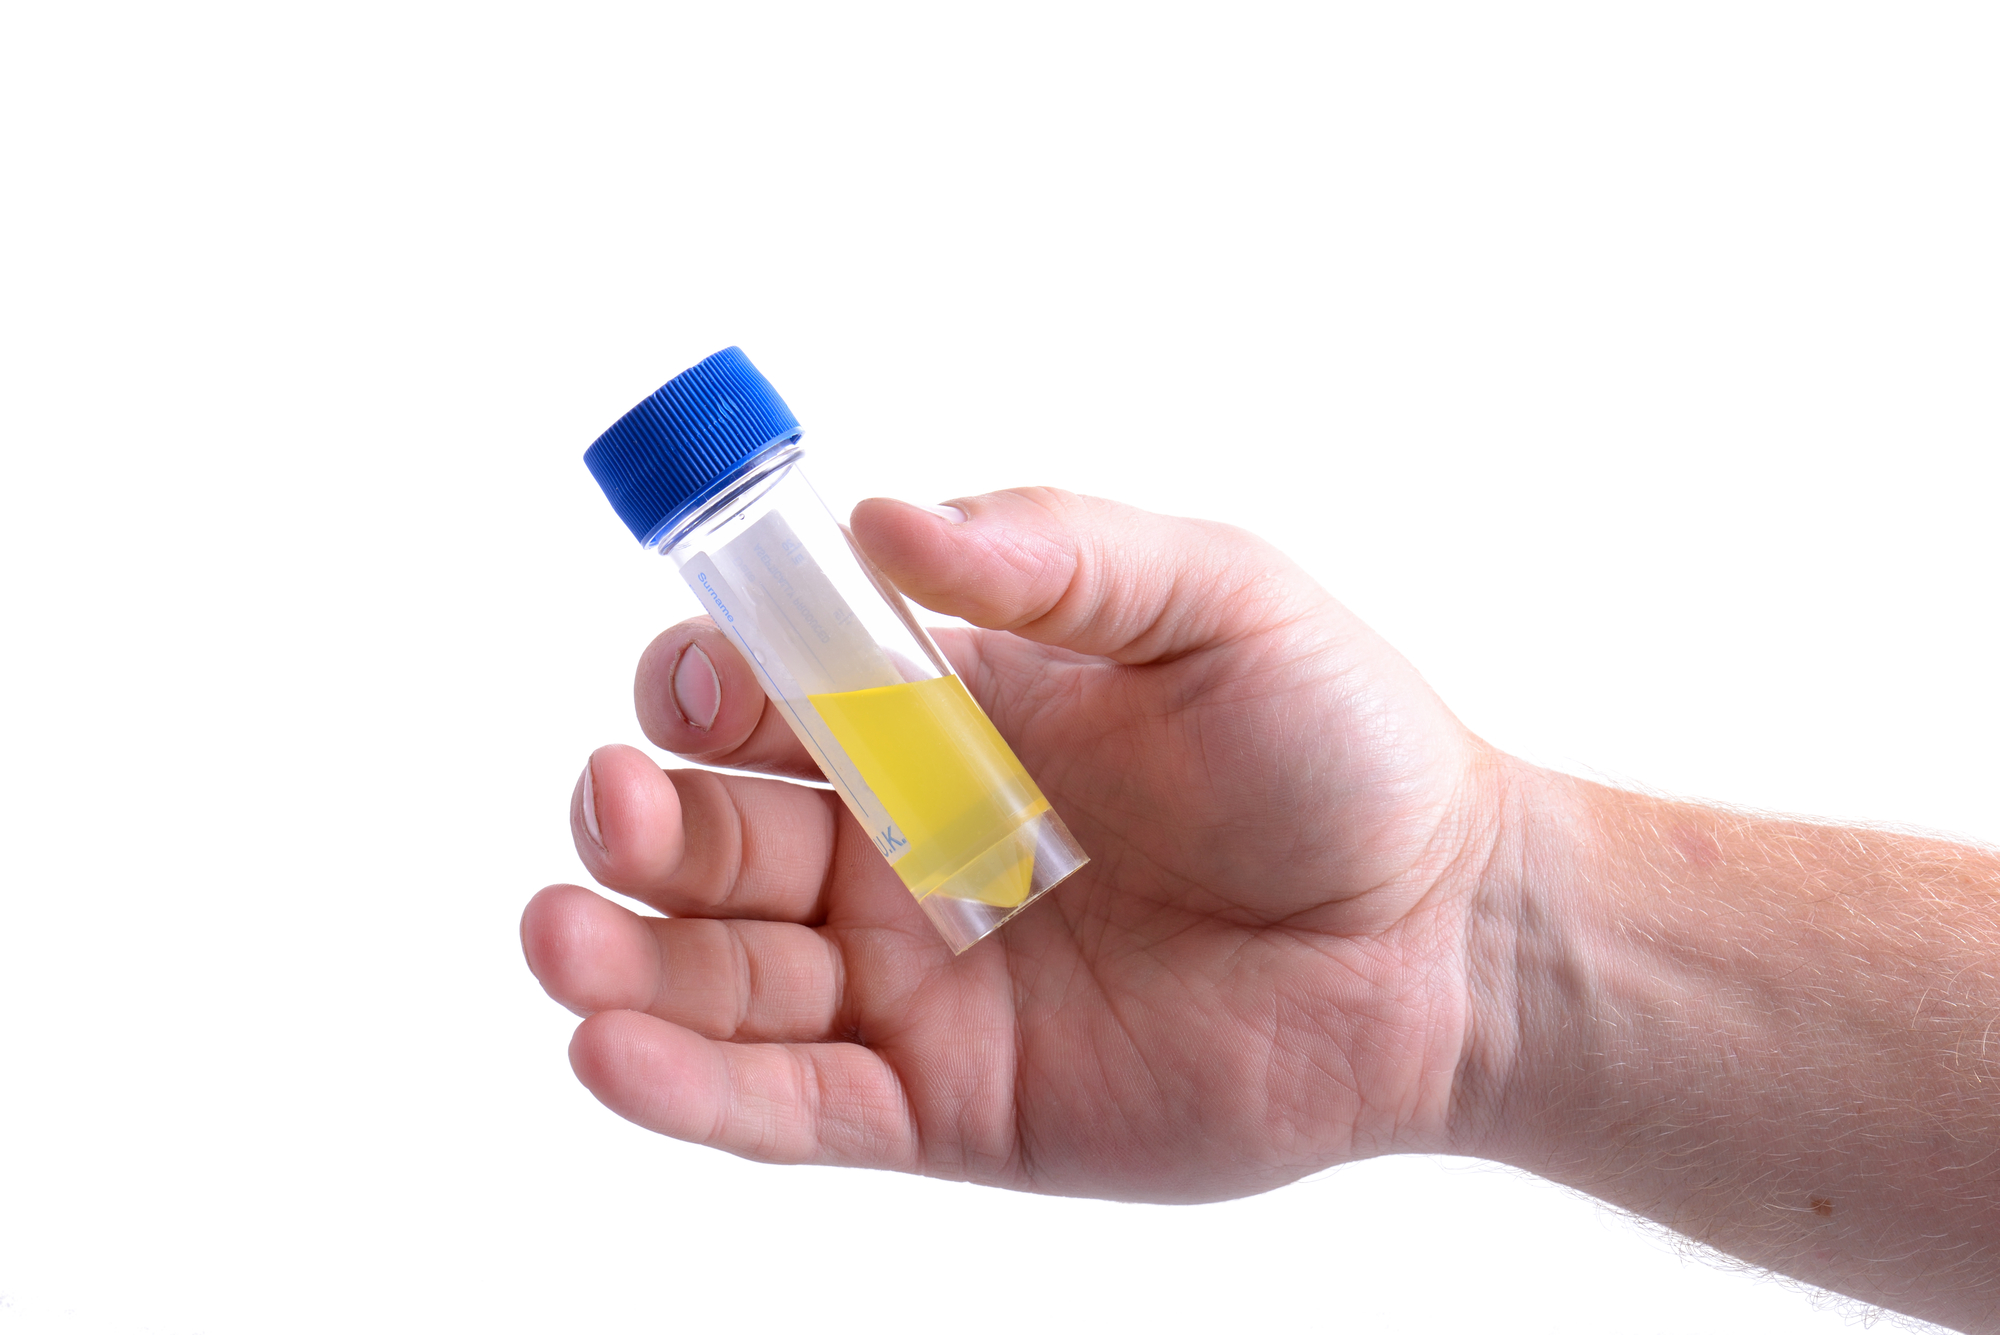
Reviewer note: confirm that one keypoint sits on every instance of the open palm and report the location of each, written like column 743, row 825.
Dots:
column 1261, row 972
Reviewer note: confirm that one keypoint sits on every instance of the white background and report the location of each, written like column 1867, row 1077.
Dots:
column 1632, row 368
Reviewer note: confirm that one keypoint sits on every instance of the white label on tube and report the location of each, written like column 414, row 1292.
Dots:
column 764, row 591
column 800, row 615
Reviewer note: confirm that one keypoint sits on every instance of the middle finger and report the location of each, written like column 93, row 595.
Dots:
column 694, row 843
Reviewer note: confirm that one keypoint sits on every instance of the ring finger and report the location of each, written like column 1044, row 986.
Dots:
column 729, row 979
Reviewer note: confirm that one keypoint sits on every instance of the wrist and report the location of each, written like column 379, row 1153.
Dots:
column 1755, row 1031
column 1518, row 999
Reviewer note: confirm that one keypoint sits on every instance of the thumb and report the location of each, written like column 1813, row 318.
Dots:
column 1085, row 574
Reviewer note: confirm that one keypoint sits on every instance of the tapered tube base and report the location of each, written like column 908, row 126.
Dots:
column 1003, row 880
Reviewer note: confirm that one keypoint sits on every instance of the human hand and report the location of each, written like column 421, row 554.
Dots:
column 1262, row 972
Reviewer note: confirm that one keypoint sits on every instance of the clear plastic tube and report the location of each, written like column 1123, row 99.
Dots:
column 876, row 705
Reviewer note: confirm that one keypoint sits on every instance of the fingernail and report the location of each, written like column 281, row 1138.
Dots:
column 951, row 514
column 697, row 690
column 589, row 803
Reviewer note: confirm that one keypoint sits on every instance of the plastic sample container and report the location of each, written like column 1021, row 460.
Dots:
column 706, row 471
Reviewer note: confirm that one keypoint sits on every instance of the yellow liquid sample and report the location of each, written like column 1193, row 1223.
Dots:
column 949, row 782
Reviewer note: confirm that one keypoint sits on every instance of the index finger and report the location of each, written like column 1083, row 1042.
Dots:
column 697, row 697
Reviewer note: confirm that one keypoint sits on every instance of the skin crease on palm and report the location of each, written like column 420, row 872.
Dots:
column 1263, row 971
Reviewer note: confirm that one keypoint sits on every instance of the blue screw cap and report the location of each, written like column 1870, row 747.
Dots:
column 686, row 440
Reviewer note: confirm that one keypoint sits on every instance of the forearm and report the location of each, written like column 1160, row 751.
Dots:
column 1779, row 1038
